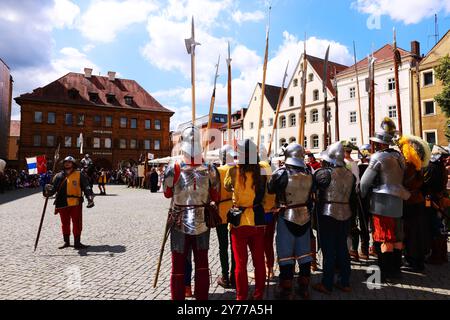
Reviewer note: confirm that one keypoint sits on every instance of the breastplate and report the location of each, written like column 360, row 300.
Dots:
column 335, row 198
column 297, row 193
column 192, row 189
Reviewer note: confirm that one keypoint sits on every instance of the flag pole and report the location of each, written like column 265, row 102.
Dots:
column 275, row 124
column 263, row 84
column 229, row 96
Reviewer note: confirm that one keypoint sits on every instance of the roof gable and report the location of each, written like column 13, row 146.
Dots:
column 437, row 51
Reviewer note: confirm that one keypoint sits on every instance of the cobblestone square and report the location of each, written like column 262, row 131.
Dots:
column 124, row 231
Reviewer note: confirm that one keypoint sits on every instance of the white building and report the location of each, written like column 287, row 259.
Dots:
column 385, row 95
column 251, row 119
column 288, row 123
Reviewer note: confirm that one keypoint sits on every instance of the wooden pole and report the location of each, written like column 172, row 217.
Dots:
column 397, row 63
column 336, row 113
column 325, row 101
column 372, row 101
column 301, row 127
column 419, row 98
column 358, row 92
column 263, row 86
column 277, row 113
column 229, row 96
column 211, row 112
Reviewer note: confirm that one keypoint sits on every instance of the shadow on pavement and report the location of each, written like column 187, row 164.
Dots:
column 102, row 250
column 13, row 195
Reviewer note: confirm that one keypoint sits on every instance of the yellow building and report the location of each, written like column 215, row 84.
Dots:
column 434, row 120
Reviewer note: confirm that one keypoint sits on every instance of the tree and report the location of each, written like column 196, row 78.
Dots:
column 442, row 72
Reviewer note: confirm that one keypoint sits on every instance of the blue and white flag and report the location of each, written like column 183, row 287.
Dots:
column 37, row 165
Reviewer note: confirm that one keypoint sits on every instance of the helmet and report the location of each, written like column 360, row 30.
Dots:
column 334, row 154
column 70, row 159
column 190, row 141
column 364, row 151
column 349, row 146
column 247, row 152
column 295, row 155
column 226, row 154
column 86, row 155
column 438, row 152
column 387, row 132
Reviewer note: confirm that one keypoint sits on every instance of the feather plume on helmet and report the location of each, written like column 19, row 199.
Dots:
column 387, row 133
column 415, row 150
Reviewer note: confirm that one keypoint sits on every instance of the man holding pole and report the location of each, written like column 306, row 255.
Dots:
column 69, row 186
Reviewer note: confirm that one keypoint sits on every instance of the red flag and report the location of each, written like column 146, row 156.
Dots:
column 41, row 164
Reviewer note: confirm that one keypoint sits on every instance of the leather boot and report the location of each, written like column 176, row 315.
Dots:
column 397, row 264
column 284, row 291
column 303, row 287
column 78, row 245
column 66, row 242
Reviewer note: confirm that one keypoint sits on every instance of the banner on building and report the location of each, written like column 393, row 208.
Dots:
column 37, row 165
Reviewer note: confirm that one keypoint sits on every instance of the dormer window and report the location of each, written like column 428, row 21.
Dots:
column 129, row 100
column 73, row 93
column 110, row 98
column 93, row 97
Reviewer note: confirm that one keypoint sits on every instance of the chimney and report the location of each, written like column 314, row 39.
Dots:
column 87, row 72
column 415, row 48
column 111, row 75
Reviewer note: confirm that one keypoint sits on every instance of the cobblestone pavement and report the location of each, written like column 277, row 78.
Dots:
column 124, row 231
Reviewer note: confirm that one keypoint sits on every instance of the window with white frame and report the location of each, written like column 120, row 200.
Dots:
column 147, row 144
column 252, row 125
column 283, row 122
column 292, row 120
column 295, row 82
column 315, row 141
column 428, row 78
column 270, row 122
column 431, row 136
column 428, row 108
column 157, row 145
column 310, row 77
column 291, row 101
column 108, row 143
column 329, row 115
column 67, row 141
column 354, row 140
column 133, row 144
column 391, row 84
column 352, row 92
column 352, row 117
column 96, row 143
column 123, row 144
column 305, row 143
column 392, row 112
column 314, row 116
column 316, row 95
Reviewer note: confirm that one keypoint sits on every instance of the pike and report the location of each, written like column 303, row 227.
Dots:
column 190, row 47
column 336, row 112
column 371, row 89
column 325, row 93
column 301, row 127
column 358, row 92
column 397, row 64
column 229, row 137
column 263, row 84
column 55, row 159
column 280, row 99
column 211, row 109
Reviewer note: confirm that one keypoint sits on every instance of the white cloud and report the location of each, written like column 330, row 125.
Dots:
column 105, row 18
column 28, row 78
column 63, row 13
column 409, row 12
column 240, row 17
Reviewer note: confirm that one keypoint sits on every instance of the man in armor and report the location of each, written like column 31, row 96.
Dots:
column 292, row 185
column 383, row 182
column 336, row 190
column 69, row 186
column 193, row 187
column 86, row 161
column 227, row 160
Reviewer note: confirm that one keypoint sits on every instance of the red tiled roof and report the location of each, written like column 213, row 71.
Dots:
column 383, row 54
column 58, row 91
column 318, row 65
column 14, row 128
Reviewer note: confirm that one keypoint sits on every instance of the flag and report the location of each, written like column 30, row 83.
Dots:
column 81, row 143
column 37, row 165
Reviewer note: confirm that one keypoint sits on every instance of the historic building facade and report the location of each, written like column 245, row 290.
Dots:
column 118, row 119
column 434, row 120
column 6, row 84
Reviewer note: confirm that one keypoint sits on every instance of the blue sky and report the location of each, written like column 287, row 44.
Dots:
column 143, row 39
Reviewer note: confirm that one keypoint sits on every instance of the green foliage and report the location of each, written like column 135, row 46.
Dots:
column 442, row 72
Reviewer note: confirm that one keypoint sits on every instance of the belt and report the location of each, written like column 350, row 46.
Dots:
column 295, row 206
